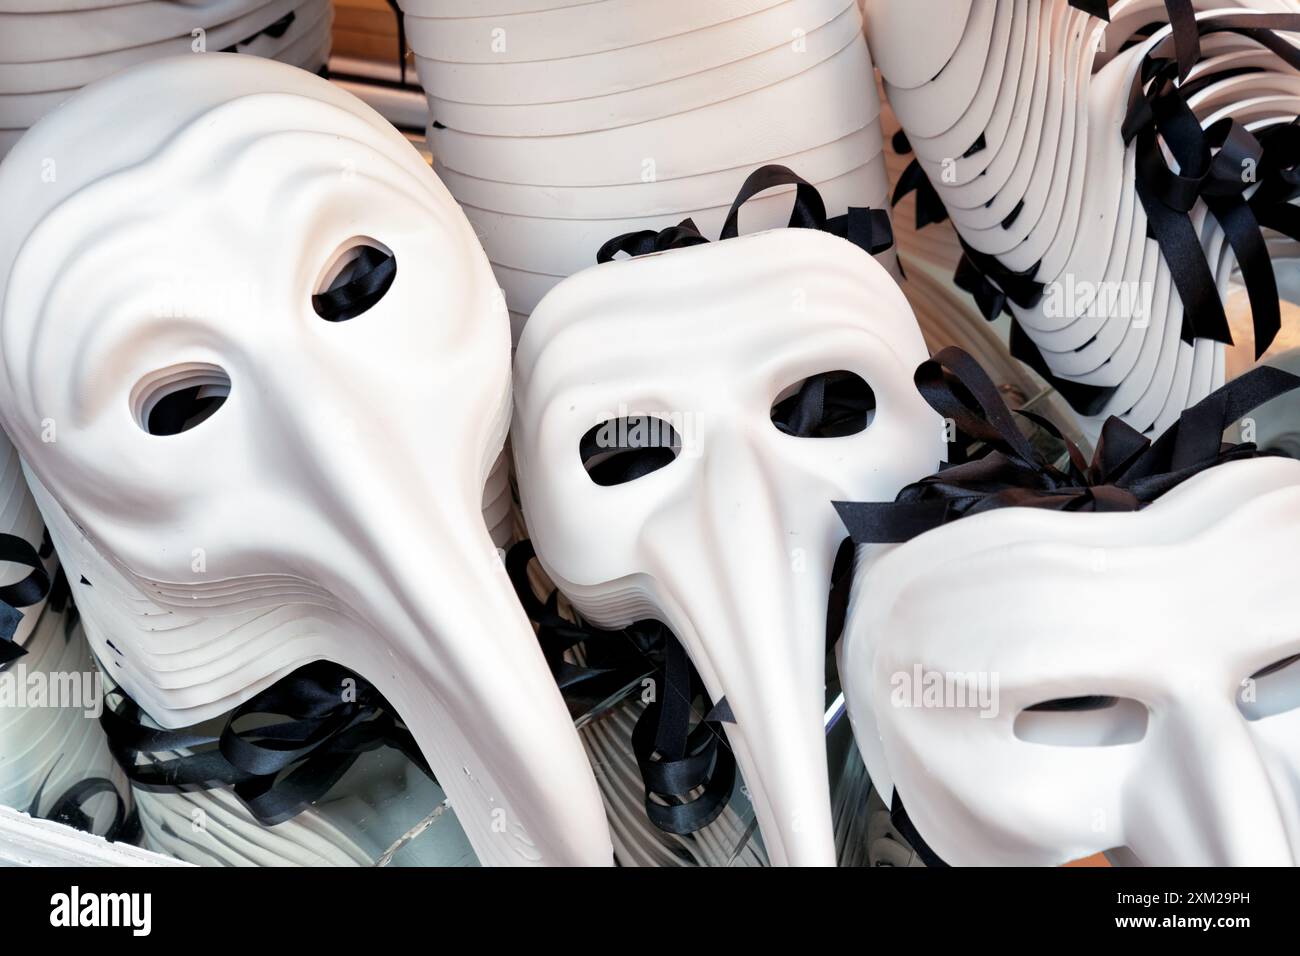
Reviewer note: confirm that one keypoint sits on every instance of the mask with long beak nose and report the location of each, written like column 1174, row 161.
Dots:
column 724, row 531
column 1123, row 681
column 258, row 369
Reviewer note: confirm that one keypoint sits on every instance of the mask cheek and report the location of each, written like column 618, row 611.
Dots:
column 1275, row 738
column 591, row 529
column 980, row 794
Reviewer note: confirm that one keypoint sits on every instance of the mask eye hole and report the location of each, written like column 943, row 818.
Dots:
column 176, row 399
column 620, row 450
column 356, row 278
column 828, row 405
column 1272, row 690
column 1092, row 721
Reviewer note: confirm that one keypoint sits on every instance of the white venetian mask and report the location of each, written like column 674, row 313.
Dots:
column 240, row 486
column 1038, row 686
column 730, row 538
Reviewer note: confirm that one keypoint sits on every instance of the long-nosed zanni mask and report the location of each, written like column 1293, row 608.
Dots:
column 1038, row 686
column 165, row 233
column 731, row 543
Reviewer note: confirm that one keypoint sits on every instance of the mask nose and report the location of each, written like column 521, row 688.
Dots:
column 454, row 653
column 746, row 590
column 1210, row 801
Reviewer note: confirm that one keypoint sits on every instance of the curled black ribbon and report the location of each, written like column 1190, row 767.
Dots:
column 676, row 760
column 69, row 809
column 614, row 659
column 32, row 589
column 276, row 30
column 1127, row 471
column 277, row 769
column 687, row 772
column 868, row 229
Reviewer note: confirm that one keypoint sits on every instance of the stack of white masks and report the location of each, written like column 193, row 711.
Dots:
column 383, row 812
column 273, row 435
column 1015, row 112
column 51, row 742
column 51, row 48
column 50, row 694
column 558, row 125
column 728, row 536
column 21, row 520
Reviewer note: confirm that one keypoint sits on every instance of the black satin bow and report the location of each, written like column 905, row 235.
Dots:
column 1216, row 165
column 278, row 768
column 1127, row 471
column 32, row 589
column 995, row 288
column 929, row 207
column 993, row 285
column 868, row 229
column 675, row 759
column 1279, row 179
